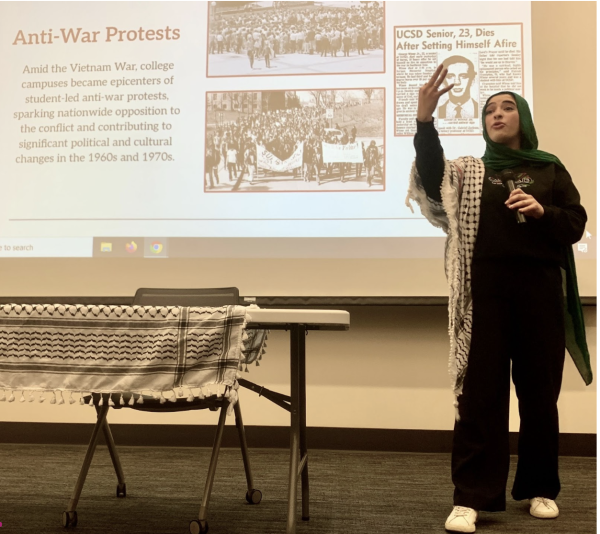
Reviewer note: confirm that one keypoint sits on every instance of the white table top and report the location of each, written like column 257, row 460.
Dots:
column 299, row 316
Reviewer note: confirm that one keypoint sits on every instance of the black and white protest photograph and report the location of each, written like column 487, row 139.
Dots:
column 273, row 141
column 279, row 38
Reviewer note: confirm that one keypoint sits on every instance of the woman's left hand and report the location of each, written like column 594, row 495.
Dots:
column 526, row 204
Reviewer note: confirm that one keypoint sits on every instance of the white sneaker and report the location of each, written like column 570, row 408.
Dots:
column 543, row 508
column 461, row 519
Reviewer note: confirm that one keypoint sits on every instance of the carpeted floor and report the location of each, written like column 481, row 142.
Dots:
column 351, row 493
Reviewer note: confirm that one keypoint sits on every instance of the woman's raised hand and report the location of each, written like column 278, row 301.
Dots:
column 430, row 93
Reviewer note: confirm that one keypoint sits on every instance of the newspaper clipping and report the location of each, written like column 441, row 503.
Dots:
column 481, row 60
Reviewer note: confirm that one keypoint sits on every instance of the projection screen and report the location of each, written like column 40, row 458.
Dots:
column 263, row 145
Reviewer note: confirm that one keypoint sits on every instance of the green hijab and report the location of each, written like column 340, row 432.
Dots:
column 499, row 157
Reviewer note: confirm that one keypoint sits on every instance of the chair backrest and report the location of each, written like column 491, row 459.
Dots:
column 220, row 296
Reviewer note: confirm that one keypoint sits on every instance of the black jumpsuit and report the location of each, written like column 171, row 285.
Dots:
column 518, row 316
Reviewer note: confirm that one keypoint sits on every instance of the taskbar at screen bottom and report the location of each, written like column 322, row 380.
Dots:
column 190, row 247
column 197, row 247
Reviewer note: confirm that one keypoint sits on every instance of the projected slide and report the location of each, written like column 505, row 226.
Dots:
column 158, row 128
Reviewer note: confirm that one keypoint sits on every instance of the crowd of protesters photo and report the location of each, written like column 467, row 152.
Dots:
column 232, row 147
column 324, row 31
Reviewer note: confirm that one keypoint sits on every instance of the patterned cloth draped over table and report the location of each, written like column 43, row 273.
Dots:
column 57, row 349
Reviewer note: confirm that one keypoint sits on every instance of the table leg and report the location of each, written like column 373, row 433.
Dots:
column 302, row 414
column 102, row 412
column 212, row 467
column 114, row 455
column 294, row 427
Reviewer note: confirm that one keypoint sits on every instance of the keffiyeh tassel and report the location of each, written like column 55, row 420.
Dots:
column 233, row 398
column 12, row 397
column 61, row 399
column 263, row 351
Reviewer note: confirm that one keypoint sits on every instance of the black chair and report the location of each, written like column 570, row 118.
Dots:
column 168, row 297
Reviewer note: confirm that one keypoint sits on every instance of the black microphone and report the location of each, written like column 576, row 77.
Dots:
column 508, row 179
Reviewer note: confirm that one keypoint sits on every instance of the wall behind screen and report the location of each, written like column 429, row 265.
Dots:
column 564, row 83
column 411, row 343
column 388, row 371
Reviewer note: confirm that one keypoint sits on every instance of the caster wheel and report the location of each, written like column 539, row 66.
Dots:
column 253, row 496
column 198, row 527
column 69, row 519
column 122, row 490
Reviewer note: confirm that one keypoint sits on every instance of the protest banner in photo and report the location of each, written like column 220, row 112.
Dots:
column 271, row 162
column 350, row 153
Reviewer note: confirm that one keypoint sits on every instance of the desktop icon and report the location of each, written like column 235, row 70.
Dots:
column 105, row 247
column 131, row 247
column 582, row 247
column 156, row 247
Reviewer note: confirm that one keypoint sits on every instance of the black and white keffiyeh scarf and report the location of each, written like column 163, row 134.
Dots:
column 458, row 216
column 57, row 349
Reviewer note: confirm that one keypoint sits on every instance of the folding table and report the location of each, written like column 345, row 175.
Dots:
column 298, row 322
column 24, row 376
